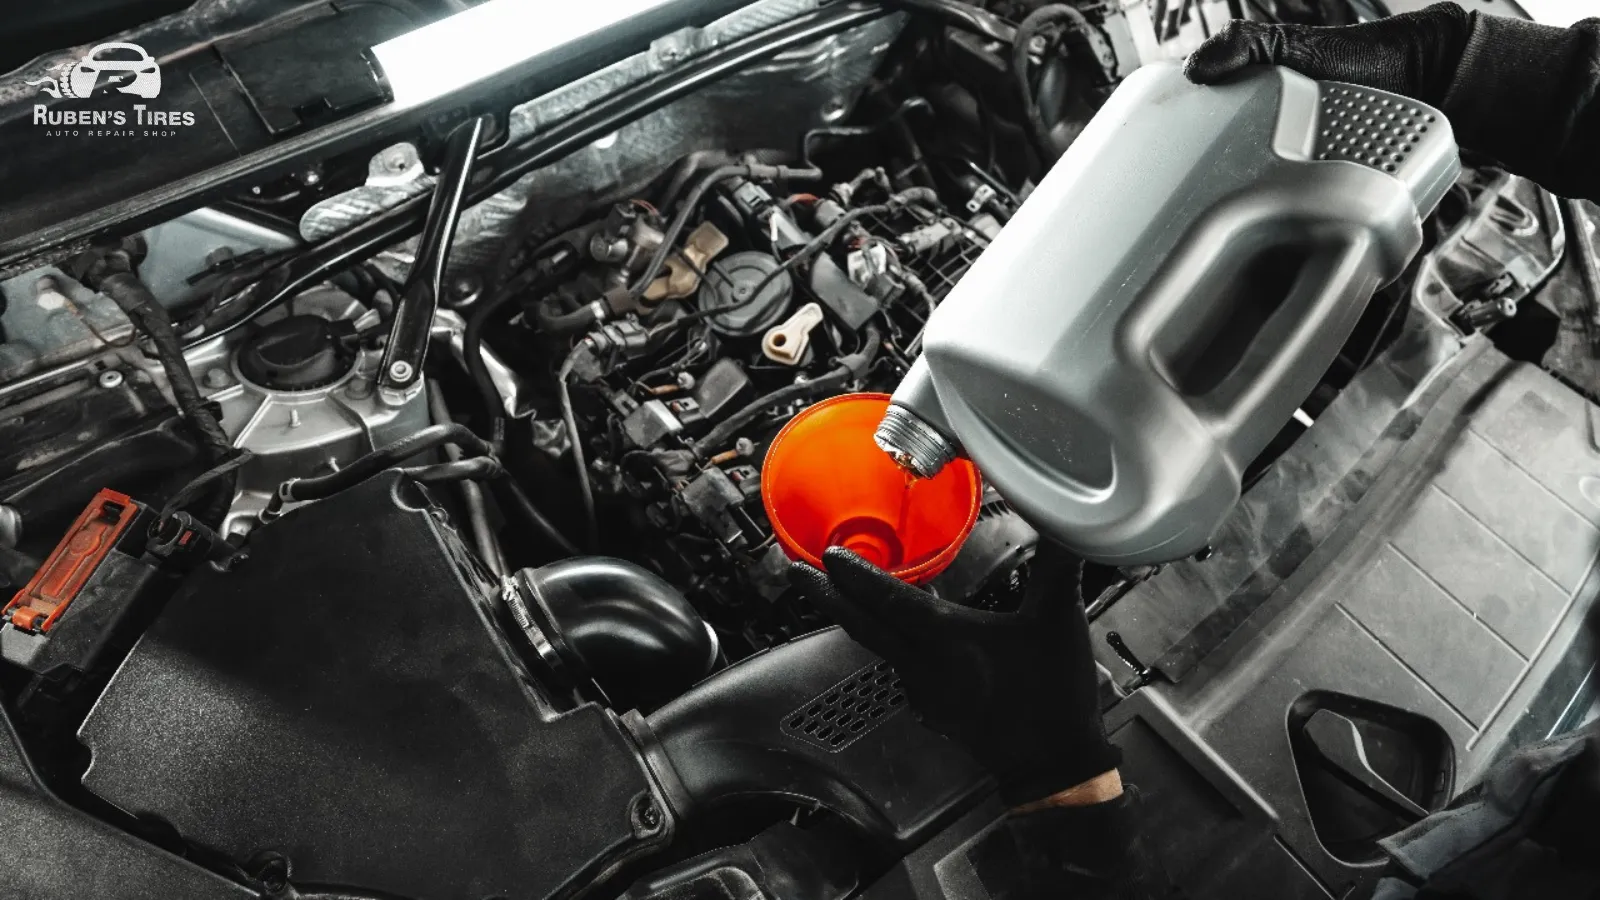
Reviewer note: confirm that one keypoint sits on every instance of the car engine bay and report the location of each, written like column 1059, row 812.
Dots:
column 380, row 482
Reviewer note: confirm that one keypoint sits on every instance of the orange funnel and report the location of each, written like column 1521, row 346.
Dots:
column 825, row 483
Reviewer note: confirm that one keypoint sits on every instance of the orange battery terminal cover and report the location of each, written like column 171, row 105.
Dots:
column 87, row 543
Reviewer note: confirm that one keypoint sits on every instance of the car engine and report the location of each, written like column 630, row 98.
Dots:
column 381, row 460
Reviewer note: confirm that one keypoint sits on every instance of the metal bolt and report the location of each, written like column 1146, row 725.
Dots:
column 646, row 817
column 311, row 177
column 685, row 380
column 272, row 869
column 464, row 291
column 400, row 371
column 110, row 379
column 217, row 378
column 744, row 446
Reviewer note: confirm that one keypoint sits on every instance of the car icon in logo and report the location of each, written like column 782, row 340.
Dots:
column 131, row 70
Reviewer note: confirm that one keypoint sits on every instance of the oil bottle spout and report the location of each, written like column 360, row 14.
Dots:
column 913, row 431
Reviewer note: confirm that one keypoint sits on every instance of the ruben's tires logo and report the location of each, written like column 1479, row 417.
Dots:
column 107, row 70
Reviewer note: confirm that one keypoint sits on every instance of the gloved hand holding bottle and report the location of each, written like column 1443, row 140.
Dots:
column 1526, row 95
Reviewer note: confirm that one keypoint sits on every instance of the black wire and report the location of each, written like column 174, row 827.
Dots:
column 808, row 250
column 835, row 378
column 691, row 164
column 540, row 522
column 135, row 299
column 112, row 273
column 691, row 204
column 731, row 426
column 591, row 521
column 669, row 237
column 852, row 131
column 191, row 491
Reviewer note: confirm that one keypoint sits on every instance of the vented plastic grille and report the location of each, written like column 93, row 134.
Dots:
column 1379, row 130
column 939, row 268
column 843, row 713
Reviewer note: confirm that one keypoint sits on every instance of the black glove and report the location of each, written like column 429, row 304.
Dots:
column 1017, row 690
column 1414, row 54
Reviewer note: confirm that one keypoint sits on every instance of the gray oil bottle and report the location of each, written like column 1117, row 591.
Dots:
column 1166, row 299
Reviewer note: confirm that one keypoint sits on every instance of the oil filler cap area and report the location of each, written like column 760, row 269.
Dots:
column 299, row 353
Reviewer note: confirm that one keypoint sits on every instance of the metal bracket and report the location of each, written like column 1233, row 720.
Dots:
column 400, row 374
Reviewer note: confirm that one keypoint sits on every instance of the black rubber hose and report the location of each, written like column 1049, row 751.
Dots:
column 914, row 195
column 849, row 367
column 623, row 626
column 964, row 16
column 729, row 428
column 854, row 131
column 559, row 324
column 542, row 523
column 472, row 494
column 694, row 162
column 429, row 438
column 691, row 203
column 1036, row 22
column 669, row 237
column 477, row 468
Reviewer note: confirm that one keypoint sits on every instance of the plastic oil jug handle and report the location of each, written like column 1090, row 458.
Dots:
column 1288, row 355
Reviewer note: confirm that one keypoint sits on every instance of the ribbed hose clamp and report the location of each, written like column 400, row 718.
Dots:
column 914, row 445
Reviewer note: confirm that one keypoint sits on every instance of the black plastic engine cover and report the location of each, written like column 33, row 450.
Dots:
column 344, row 698
column 820, row 721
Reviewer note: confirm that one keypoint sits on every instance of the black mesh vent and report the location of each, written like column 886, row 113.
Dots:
column 1379, row 130
column 834, row 719
column 939, row 267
